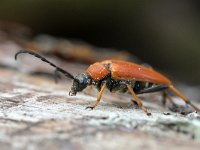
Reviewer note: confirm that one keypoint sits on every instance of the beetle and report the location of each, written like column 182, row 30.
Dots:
column 117, row 75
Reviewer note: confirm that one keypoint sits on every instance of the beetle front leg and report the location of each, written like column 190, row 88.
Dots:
column 139, row 102
column 98, row 98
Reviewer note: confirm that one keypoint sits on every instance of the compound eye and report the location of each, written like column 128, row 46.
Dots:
column 81, row 80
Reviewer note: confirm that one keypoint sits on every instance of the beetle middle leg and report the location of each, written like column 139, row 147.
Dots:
column 98, row 98
column 139, row 102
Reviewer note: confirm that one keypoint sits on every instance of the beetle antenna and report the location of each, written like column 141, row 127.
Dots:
column 67, row 74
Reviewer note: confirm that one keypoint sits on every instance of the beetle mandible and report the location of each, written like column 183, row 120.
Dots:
column 117, row 75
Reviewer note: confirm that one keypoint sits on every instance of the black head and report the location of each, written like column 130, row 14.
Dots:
column 80, row 82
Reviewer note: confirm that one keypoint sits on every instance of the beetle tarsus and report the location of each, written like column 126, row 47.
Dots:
column 146, row 111
column 148, row 114
column 90, row 107
column 133, row 103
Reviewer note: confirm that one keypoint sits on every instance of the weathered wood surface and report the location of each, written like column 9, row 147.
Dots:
column 36, row 113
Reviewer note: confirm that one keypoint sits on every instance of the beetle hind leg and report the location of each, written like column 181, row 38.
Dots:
column 174, row 107
column 98, row 98
column 138, row 101
column 179, row 94
column 165, row 97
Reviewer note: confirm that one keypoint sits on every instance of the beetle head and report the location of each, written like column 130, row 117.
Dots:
column 80, row 82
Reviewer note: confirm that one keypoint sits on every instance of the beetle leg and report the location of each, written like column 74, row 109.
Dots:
column 178, row 93
column 152, row 89
column 167, row 97
column 98, row 98
column 133, row 102
column 138, row 100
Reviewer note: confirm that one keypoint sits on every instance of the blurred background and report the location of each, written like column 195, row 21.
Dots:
column 165, row 34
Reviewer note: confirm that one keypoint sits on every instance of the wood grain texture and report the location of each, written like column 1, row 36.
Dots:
column 35, row 113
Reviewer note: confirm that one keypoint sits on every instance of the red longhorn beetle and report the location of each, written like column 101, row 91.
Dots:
column 120, row 76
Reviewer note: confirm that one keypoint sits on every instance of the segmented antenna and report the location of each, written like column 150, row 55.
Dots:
column 67, row 74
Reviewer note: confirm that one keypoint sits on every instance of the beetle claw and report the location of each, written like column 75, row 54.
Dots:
column 90, row 107
column 148, row 114
column 133, row 103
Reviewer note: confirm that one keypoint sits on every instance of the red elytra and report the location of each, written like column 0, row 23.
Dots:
column 123, row 70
